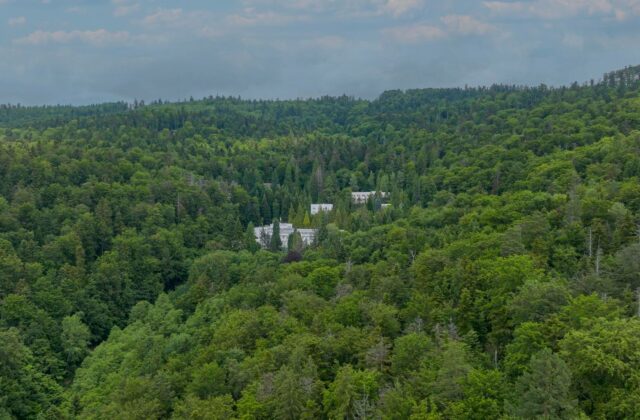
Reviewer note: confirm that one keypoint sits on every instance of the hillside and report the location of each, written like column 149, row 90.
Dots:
column 506, row 263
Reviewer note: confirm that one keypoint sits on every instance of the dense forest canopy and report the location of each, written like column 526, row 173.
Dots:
column 503, row 281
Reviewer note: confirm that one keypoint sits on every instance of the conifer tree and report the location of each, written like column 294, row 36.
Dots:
column 250, row 238
column 276, row 242
column 265, row 209
column 323, row 233
column 545, row 391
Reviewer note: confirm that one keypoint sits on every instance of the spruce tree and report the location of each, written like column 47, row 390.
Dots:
column 276, row 242
column 250, row 238
column 323, row 232
column 265, row 209
column 545, row 391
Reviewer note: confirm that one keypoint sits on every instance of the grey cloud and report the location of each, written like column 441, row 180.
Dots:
column 274, row 48
column 98, row 37
column 560, row 9
column 345, row 8
column 452, row 25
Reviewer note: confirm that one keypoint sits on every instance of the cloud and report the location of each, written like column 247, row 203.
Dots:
column 343, row 8
column 400, row 7
column 253, row 18
column 17, row 21
column 178, row 22
column 99, row 37
column 415, row 33
column 503, row 7
column 452, row 25
column 125, row 7
column 210, row 32
column 573, row 41
column 164, row 17
column 205, row 24
column 329, row 42
column 561, row 9
column 626, row 8
column 126, row 10
column 278, row 48
column 466, row 25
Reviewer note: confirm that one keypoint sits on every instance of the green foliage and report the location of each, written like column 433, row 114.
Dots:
column 214, row 408
column 544, row 391
column 351, row 394
column 24, row 392
column 604, row 363
column 275, row 244
column 484, row 395
column 501, row 280
column 75, row 339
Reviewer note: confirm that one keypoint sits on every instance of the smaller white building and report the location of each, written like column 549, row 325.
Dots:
column 361, row 197
column 308, row 235
column 317, row 208
column 385, row 206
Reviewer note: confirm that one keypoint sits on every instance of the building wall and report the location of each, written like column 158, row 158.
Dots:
column 317, row 208
column 263, row 234
column 361, row 197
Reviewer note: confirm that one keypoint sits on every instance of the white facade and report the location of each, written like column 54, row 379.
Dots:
column 361, row 197
column 317, row 208
column 385, row 206
column 308, row 235
column 263, row 234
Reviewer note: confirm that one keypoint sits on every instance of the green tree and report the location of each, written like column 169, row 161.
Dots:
column 75, row 339
column 250, row 239
column 214, row 408
column 289, row 395
column 544, row 391
column 24, row 392
column 352, row 394
column 484, row 395
column 603, row 360
column 208, row 381
column 276, row 243
column 454, row 367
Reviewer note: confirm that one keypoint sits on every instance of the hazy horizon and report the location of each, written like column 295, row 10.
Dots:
column 80, row 52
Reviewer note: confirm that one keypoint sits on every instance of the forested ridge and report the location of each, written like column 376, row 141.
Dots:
column 502, row 282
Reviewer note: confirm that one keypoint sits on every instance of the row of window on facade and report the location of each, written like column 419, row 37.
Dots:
column 360, row 197
column 264, row 233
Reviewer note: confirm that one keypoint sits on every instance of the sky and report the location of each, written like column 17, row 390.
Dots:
column 89, row 51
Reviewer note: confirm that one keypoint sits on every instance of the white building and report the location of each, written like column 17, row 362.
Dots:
column 385, row 206
column 317, row 208
column 361, row 197
column 308, row 235
column 263, row 234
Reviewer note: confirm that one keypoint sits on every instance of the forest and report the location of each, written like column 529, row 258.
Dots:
column 502, row 281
